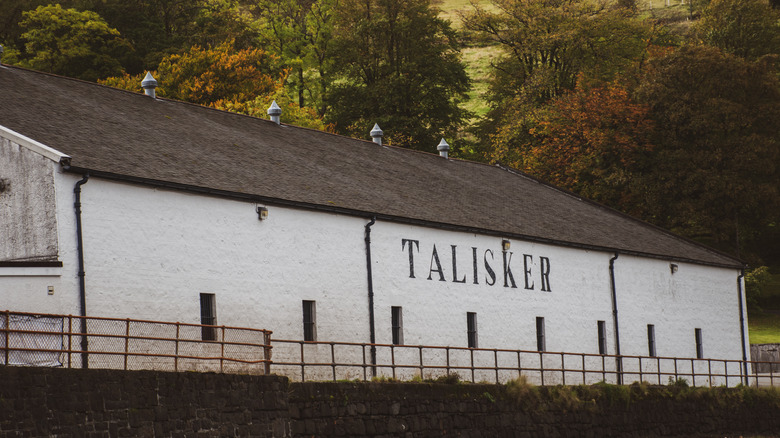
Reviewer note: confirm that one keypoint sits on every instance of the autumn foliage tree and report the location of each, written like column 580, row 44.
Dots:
column 213, row 75
column 590, row 141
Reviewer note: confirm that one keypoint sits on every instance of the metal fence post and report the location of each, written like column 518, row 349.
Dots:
column 421, row 362
column 495, row 362
column 7, row 337
column 176, row 355
column 127, row 339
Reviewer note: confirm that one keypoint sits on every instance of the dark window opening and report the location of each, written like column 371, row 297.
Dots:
column 651, row 340
column 699, row 349
column 602, row 327
column 208, row 317
column 398, row 325
column 541, row 343
column 471, row 328
column 309, row 321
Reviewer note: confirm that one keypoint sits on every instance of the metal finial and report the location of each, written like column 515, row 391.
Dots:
column 275, row 113
column 443, row 148
column 149, row 84
column 376, row 134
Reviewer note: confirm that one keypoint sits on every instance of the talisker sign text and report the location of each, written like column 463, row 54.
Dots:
column 484, row 265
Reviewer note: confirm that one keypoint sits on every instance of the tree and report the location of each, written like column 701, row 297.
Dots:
column 71, row 43
column 397, row 64
column 549, row 43
column 746, row 28
column 299, row 32
column 244, row 81
column 715, row 172
column 591, row 141
column 208, row 76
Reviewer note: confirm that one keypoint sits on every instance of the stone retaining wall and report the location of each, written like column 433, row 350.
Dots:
column 107, row 403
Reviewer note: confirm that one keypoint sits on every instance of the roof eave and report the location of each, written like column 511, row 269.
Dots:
column 738, row 264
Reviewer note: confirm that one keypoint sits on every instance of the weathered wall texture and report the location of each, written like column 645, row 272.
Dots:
column 28, row 221
column 100, row 403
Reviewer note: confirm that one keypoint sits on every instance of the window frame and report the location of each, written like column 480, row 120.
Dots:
column 601, row 326
column 208, row 316
column 472, row 330
column 309, row 316
column 541, row 338
column 397, row 324
column 651, row 344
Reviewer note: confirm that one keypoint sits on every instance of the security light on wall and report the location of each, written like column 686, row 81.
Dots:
column 673, row 267
column 505, row 244
column 262, row 213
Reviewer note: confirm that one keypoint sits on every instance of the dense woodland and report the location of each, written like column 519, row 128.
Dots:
column 675, row 122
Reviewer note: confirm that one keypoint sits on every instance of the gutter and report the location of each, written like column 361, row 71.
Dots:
column 390, row 218
column 370, row 295
column 742, row 326
column 618, row 358
column 81, row 274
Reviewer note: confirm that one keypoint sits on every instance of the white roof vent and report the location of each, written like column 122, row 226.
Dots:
column 149, row 84
column 443, row 148
column 275, row 113
column 376, row 134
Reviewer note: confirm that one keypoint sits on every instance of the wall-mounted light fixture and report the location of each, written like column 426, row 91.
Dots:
column 505, row 244
column 673, row 267
column 262, row 213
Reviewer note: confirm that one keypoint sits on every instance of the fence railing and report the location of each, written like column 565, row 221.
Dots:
column 129, row 344
column 301, row 360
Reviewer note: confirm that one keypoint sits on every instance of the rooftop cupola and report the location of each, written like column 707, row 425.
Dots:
column 376, row 134
column 443, row 148
column 275, row 113
column 149, row 84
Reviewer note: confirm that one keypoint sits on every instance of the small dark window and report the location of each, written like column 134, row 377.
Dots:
column 699, row 349
column 651, row 340
column 541, row 344
column 471, row 329
column 309, row 321
column 208, row 317
column 602, row 327
column 398, row 325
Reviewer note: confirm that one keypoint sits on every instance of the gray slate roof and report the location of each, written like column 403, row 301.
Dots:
column 124, row 133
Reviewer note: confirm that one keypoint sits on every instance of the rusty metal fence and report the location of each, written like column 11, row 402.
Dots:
column 30, row 339
column 304, row 361
column 128, row 344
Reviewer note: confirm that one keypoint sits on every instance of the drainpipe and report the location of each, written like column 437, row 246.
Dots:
column 82, row 286
column 618, row 359
column 371, row 295
column 742, row 326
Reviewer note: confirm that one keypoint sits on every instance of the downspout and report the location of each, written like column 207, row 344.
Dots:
column 618, row 359
column 742, row 326
column 82, row 285
column 371, row 295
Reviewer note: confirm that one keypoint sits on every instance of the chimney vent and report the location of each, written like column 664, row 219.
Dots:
column 376, row 134
column 275, row 113
column 443, row 148
column 149, row 84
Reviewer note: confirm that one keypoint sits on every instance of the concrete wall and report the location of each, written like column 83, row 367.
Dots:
column 95, row 403
column 28, row 221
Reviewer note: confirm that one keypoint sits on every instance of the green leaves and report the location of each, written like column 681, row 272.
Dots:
column 71, row 43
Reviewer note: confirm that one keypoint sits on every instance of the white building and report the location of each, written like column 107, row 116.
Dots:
column 459, row 252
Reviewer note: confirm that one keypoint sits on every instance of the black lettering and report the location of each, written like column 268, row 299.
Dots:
column 508, row 271
column 526, row 258
column 455, row 266
column 545, row 267
column 474, row 259
column 490, row 272
column 411, row 254
column 435, row 258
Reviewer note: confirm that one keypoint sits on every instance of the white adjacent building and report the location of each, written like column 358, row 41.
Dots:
column 450, row 252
